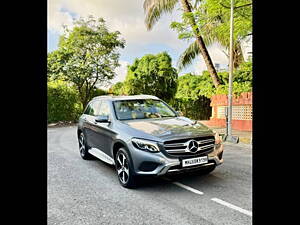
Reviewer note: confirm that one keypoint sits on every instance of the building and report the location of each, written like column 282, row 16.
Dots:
column 246, row 45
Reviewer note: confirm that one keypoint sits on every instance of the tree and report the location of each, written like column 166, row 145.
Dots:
column 86, row 56
column 63, row 102
column 117, row 89
column 153, row 75
column 213, row 17
column 190, row 100
column 155, row 8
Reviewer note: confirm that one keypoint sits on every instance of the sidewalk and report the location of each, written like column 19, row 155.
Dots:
column 244, row 136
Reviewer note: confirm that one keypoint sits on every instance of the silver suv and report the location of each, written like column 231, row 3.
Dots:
column 142, row 135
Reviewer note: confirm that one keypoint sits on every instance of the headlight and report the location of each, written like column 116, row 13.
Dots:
column 218, row 138
column 145, row 145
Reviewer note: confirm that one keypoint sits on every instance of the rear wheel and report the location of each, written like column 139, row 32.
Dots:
column 83, row 147
column 124, row 169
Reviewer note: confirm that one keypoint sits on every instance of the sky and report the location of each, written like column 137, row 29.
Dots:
column 127, row 16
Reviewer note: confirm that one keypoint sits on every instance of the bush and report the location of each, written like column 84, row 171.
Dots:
column 197, row 109
column 63, row 102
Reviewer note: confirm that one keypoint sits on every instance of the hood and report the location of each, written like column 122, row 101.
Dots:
column 170, row 128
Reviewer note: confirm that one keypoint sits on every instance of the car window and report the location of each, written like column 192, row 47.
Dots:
column 93, row 108
column 87, row 110
column 104, row 109
column 142, row 109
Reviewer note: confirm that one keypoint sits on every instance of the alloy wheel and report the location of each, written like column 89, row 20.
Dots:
column 82, row 145
column 122, row 168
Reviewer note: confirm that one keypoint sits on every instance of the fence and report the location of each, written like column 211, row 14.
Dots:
column 241, row 111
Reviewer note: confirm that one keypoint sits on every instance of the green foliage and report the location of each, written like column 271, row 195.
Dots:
column 63, row 102
column 213, row 16
column 194, row 91
column 97, row 92
column 197, row 109
column 87, row 55
column 244, row 73
column 153, row 75
column 191, row 86
column 242, row 80
column 154, row 9
column 189, row 100
column 212, row 19
column 117, row 89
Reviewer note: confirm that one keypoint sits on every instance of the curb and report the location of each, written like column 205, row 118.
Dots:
column 61, row 124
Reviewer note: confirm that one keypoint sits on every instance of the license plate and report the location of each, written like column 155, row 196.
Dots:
column 194, row 161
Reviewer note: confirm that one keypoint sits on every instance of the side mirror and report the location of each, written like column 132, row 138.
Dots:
column 179, row 113
column 102, row 119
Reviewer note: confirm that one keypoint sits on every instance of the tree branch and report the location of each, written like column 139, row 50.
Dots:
column 243, row 5
column 236, row 7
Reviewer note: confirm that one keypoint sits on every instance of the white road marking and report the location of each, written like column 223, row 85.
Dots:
column 249, row 213
column 244, row 211
column 188, row 188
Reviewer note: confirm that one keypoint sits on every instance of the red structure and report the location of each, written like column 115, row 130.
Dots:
column 241, row 111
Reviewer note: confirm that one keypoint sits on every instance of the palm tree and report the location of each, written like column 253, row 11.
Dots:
column 214, row 29
column 210, row 35
column 193, row 51
column 155, row 8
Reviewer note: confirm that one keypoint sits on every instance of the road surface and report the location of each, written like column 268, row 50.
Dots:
column 88, row 191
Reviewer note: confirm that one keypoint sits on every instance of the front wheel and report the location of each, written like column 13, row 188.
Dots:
column 83, row 147
column 124, row 168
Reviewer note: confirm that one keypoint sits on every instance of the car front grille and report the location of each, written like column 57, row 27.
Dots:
column 180, row 147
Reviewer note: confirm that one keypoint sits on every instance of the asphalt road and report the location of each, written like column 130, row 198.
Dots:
column 88, row 192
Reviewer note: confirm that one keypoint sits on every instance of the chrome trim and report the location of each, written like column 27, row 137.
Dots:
column 101, row 155
column 205, row 147
column 205, row 141
column 216, row 159
column 186, row 149
column 167, row 166
column 176, row 151
column 176, row 145
column 187, row 168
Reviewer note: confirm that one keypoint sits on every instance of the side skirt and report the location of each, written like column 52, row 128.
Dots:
column 101, row 155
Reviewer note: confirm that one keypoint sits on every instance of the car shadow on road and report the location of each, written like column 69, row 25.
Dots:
column 150, row 182
column 196, row 178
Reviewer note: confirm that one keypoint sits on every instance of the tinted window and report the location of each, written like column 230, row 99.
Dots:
column 142, row 109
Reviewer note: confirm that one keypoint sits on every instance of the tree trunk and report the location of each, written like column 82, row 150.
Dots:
column 209, row 64
column 237, row 56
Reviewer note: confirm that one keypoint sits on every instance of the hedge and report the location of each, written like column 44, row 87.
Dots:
column 63, row 102
column 198, row 109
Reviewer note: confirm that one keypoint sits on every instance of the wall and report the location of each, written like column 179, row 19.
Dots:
column 241, row 113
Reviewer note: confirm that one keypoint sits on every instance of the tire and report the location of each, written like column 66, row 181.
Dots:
column 124, row 169
column 83, row 147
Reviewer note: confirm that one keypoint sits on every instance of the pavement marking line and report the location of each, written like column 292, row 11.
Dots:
column 188, row 188
column 249, row 213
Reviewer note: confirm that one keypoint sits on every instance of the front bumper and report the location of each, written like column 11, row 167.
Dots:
column 165, row 165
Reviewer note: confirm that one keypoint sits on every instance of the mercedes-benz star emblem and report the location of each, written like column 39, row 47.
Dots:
column 193, row 146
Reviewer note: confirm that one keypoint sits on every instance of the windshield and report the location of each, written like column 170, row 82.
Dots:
column 142, row 109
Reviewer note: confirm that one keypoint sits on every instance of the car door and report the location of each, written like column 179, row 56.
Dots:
column 90, row 115
column 102, row 132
